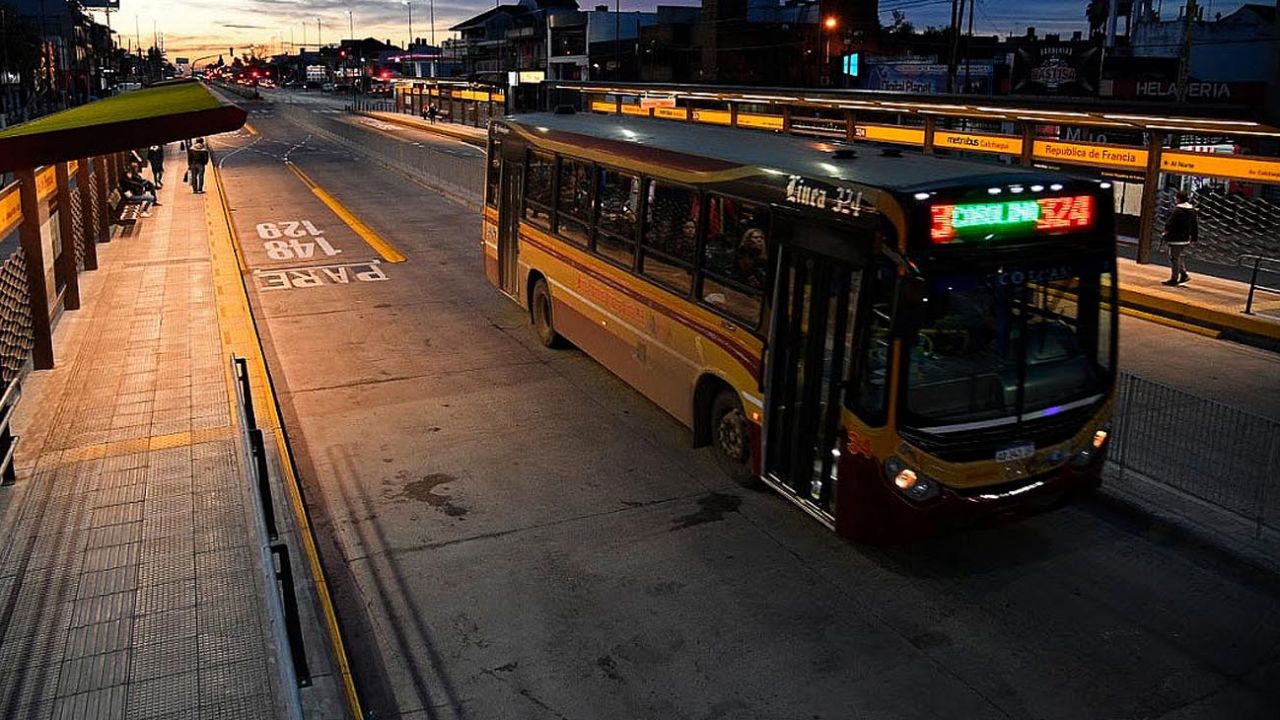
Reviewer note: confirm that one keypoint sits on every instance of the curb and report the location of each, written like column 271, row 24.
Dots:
column 1246, row 329
column 438, row 128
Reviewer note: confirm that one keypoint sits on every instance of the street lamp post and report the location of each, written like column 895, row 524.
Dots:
column 351, row 28
column 828, row 25
column 409, row 47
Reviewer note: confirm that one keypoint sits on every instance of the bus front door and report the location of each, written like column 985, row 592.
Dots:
column 509, row 227
column 810, row 345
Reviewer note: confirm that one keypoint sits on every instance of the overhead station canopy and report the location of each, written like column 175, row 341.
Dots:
column 164, row 112
column 1064, row 111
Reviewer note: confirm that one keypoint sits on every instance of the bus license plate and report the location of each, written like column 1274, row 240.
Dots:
column 1016, row 452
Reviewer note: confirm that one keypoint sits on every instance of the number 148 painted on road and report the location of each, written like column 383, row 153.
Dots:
column 293, row 248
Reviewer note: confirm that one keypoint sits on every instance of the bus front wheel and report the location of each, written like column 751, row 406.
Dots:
column 731, row 436
column 543, row 320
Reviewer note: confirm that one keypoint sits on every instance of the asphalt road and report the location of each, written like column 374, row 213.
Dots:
column 511, row 532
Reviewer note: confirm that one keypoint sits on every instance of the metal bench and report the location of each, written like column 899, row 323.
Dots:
column 124, row 211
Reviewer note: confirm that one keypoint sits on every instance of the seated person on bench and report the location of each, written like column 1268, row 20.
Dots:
column 137, row 189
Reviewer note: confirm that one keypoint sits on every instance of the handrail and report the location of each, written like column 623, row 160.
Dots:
column 282, row 596
column 1258, row 266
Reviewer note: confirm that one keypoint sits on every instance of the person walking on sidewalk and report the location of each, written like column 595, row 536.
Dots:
column 155, row 156
column 432, row 113
column 197, row 159
column 1180, row 230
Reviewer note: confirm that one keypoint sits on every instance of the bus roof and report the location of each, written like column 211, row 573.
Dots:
column 810, row 157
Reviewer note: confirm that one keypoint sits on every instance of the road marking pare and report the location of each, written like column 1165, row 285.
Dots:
column 320, row 275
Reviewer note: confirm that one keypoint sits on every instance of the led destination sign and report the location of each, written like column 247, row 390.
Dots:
column 952, row 223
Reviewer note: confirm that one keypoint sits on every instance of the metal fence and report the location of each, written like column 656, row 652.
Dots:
column 1226, row 457
column 459, row 173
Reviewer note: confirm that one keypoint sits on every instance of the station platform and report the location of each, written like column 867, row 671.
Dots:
column 465, row 133
column 1206, row 305
column 131, row 581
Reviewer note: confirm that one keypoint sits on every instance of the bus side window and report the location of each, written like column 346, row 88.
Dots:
column 574, row 210
column 868, row 397
column 617, row 216
column 495, row 172
column 670, row 235
column 735, row 258
column 537, row 189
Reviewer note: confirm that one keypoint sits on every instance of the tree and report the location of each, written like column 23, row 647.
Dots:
column 899, row 25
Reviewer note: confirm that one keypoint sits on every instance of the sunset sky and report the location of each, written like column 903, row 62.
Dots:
column 193, row 28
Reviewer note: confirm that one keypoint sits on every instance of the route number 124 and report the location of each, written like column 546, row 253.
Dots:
column 294, row 247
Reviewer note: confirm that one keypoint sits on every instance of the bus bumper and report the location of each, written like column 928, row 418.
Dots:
column 878, row 513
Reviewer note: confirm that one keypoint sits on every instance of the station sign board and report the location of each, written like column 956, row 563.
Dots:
column 1112, row 156
column 889, row 133
column 977, row 142
column 10, row 210
column 655, row 101
column 1233, row 167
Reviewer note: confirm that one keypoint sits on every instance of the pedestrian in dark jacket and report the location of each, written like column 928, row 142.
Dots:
column 155, row 156
column 197, row 159
column 1180, row 230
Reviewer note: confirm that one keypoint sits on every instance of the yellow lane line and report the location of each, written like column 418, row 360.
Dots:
column 1170, row 322
column 381, row 246
column 240, row 336
column 250, row 129
column 231, row 226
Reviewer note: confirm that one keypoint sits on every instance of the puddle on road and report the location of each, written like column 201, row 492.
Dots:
column 425, row 490
column 713, row 507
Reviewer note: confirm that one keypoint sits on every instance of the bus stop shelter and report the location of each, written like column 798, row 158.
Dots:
column 65, row 168
column 1144, row 147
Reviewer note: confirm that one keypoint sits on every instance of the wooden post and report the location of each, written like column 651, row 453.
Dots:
column 29, row 235
column 88, row 219
column 1150, row 189
column 1028, row 143
column 66, row 262
column 103, row 180
column 930, row 124
column 850, row 126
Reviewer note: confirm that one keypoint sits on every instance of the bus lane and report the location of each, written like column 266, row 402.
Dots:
column 513, row 532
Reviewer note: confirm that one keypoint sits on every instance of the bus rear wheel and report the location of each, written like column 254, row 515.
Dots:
column 543, row 320
column 731, row 437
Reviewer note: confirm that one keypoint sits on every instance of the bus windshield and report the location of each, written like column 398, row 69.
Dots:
column 1018, row 343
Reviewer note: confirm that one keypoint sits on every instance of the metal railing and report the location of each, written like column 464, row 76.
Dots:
column 1226, row 457
column 8, row 441
column 282, row 595
column 452, row 172
column 371, row 105
column 1260, row 263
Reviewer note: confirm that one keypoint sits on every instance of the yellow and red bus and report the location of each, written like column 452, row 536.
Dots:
column 894, row 342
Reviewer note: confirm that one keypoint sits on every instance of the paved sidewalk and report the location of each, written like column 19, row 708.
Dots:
column 466, row 133
column 1206, row 301
column 129, row 584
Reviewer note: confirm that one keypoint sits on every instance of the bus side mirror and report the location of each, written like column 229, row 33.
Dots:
column 910, row 305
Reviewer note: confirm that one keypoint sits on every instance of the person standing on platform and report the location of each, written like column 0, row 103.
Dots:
column 197, row 159
column 155, row 156
column 1180, row 230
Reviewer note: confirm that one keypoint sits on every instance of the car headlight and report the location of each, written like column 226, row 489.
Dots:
column 1097, row 444
column 910, row 483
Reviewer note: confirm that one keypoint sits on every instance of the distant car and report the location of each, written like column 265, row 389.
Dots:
column 328, row 87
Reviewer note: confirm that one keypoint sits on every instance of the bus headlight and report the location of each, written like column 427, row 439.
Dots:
column 909, row 482
column 1096, row 444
